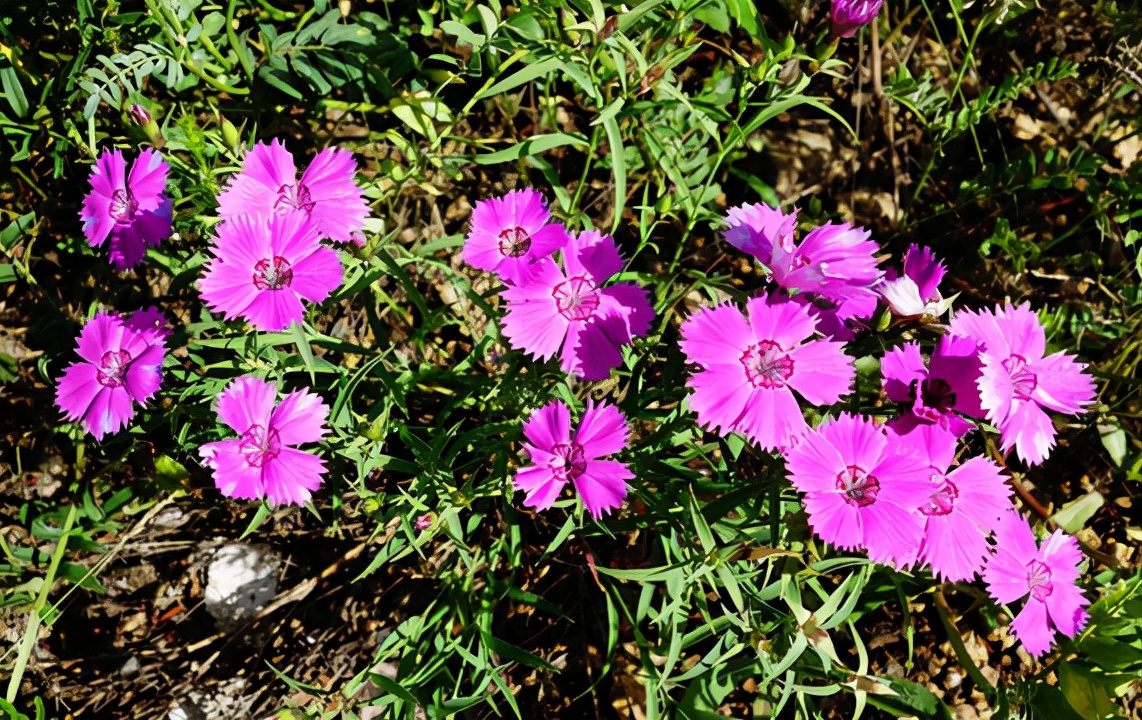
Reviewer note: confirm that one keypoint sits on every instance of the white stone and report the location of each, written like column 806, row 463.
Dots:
column 240, row 581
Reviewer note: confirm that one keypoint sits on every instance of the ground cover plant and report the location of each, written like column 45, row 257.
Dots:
column 675, row 358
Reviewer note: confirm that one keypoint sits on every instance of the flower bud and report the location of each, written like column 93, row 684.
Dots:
column 230, row 134
column 140, row 114
column 848, row 16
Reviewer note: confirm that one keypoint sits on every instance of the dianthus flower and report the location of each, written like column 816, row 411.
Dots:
column 1048, row 574
column 934, row 394
column 509, row 235
column 848, row 16
column 261, row 462
column 558, row 456
column 750, row 368
column 917, row 291
column 133, row 210
column 268, row 185
column 569, row 311
column 121, row 365
column 861, row 489
column 1017, row 381
column 835, row 261
column 264, row 266
column 963, row 507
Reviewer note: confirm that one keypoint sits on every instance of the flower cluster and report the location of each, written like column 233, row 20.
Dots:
column 893, row 490
column 560, row 300
column 268, row 258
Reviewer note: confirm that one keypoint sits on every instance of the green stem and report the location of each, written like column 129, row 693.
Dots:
column 35, row 617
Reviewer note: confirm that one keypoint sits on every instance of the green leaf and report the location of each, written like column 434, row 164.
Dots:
column 1087, row 696
column 910, row 698
column 1073, row 516
column 13, row 91
column 524, row 75
column 618, row 166
column 535, row 145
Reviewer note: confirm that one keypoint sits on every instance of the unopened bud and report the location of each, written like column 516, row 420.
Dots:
column 230, row 134
column 146, row 121
column 140, row 114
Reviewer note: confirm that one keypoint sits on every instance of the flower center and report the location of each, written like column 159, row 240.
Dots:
column 576, row 298
column 943, row 499
column 112, row 367
column 293, row 197
column 1022, row 377
column 574, row 462
column 123, row 206
column 932, row 398
column 514, row 242
column 859, row 487
column 260, row 445
column 273, row 274
column 1039, row 580
column 766, row 365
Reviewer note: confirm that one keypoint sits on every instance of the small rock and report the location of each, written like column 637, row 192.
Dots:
column 241, row 580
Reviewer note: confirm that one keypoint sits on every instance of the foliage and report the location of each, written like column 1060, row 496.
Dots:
column 644, row 119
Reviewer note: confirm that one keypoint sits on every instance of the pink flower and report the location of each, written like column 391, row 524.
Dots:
column 860, row 491
column 1049, row 574
column 570, row 312
column 761, row 231
column 917, row 291
column 557, row 457
column 264, row 266
column 838, row 321
column 750, row 368
column 835, row 262
column 848, row 16
column 261, row 463
column 509, row 235
column 132, row 210
column 122, row 365
column 268, row 185
column 964, row 506
column 1018, row 381
column 935, row 395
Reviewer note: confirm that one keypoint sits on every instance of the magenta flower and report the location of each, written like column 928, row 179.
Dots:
column 132, row 210
column 509, row 235
column 935, row 395
column 761, row 231
column 848, row 16
column 557, row 457
column 861, row 490
column 1017, row 381
column 838, row 321
column 121, row 365
column 750, row 368
column 268, row 185
column 1049, row 574
column 917, row 291
column 835, row 262
column 570, row 312
column 964, row 506
column 264, row 266
column 261, row 462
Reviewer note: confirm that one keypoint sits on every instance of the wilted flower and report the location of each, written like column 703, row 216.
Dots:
column 1047, row 573
column 132, row 210
column 569, row 311
column 848, row 16
column 750, row 368
column 860, row 490
column 917, row 291
column 264, row 266
column 965, row 505
column 122, row 365
column 268, row 185
column 934, row 394
column 509, row 235
column 558, row 456
column 261, row 462
column 1017, row 381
